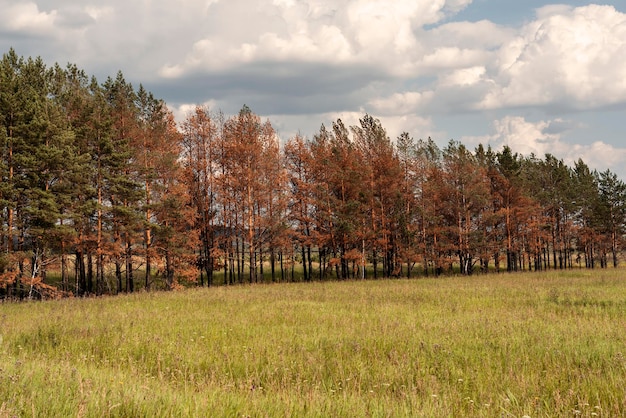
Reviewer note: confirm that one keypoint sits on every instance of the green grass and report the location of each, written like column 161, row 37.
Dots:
column 540, row 345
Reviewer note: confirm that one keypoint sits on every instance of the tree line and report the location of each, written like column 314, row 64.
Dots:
column 103, row 192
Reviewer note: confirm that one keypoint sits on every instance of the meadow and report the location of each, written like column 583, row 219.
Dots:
column 509, row 345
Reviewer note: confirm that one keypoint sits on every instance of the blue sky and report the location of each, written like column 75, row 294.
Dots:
column 507, row 12
column 541, row 77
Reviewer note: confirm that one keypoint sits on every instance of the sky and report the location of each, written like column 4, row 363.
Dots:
column 538, row 76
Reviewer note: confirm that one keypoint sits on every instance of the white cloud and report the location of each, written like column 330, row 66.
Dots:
column 601, row 156
column 417, row 126
column 566, row 57
column 181, row 111
column 303, row 62
column 450, row 58
column 463, row 77
column 470, row 35
column 26, row 18
column 401, row 103
column 309, row 125
column 527, row 137
column 378, row 34
column 394, row 125
column 99, row 12
column 547, row 137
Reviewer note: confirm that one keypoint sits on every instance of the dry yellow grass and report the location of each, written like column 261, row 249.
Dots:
column 508, row 345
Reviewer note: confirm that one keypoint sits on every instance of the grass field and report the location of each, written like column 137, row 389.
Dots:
column 539, row 345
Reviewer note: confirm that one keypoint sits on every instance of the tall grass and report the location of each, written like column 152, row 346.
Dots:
column 508, row 345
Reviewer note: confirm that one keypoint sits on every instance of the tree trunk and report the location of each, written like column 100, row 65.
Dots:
column 89, row 273
column 130, row 280
column 273, row 264
column 304, row 264
column 81, row 277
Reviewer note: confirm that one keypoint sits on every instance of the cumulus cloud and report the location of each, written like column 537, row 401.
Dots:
column 569, row 57
column 548, row 137
column 421, row 127
column 528, row 137
column 26, row 18
column 470, row 35
column 463, row 77
column 401, row 103
column 347, row 32
column 303, row 62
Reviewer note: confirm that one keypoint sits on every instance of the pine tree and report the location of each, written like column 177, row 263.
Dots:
column 300, row 165
column 586, row 205
column 408, row 219
column 612, row 210
column 123, row 184
column 202, row 145
column 250, row 158
column 468, row 201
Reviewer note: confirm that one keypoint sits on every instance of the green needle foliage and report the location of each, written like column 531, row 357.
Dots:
column 540, row 345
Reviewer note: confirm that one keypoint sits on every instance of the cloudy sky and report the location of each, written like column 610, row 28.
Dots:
column 539, row 76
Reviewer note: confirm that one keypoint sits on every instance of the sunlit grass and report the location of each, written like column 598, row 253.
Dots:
column 500, row 345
